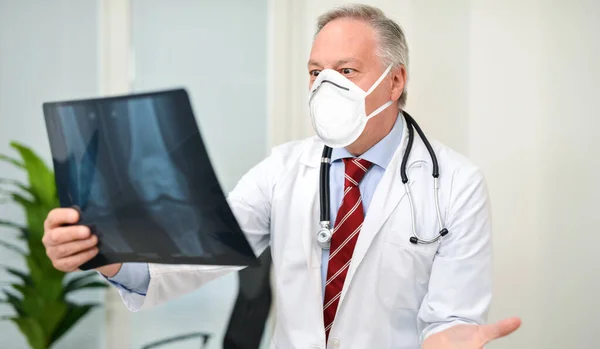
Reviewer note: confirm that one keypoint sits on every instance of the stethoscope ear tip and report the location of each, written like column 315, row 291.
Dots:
column 414, row 240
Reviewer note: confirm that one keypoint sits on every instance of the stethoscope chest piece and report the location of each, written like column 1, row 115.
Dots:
column 324, row 237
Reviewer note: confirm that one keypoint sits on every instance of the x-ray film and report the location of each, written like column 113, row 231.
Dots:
column 137, row 169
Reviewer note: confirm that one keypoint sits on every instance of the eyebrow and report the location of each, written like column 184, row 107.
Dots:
column 337, row 63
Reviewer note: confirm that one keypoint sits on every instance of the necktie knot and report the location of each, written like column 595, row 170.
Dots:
column 356, row 169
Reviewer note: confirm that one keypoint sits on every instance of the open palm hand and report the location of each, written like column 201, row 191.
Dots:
column 471, row 336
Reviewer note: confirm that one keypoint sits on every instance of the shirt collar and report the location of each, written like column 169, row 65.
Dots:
column 381, row 153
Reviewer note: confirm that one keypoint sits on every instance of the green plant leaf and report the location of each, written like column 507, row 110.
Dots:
column 74, row 313
column 74, row 281
column 24, row 231
column 16, row 184
column 43, row 313
column 43, row 267
column 6, row 158
column 15, row 301
column 11, row 225
column 33, row 331
column 21, row 275
column 25, row 234
column 47, row 283
column 41, row 177
column 81, row 277
column 52, row 315
column 20, row 287
column 11, row 193
column 12, row 247
column 78, row 282
column 93, row 284
column 25, row 202
column 35, row 213
column 33, row 302
column 36, row 272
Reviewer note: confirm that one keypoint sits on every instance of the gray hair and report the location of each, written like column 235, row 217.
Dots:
column 392, row 47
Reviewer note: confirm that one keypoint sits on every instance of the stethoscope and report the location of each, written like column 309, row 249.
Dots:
column 325, row 232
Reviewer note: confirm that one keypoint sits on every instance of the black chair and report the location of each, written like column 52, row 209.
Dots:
column 251, row 310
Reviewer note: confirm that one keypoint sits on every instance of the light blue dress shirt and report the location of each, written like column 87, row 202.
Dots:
column 135, row 277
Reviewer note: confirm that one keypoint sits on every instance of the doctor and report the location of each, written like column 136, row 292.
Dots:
column 402, row 265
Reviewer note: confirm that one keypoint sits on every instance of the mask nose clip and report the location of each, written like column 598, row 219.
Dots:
column 334, row 84
column 329, row 82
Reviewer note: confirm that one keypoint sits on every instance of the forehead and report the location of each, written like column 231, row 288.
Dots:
column 343, row 39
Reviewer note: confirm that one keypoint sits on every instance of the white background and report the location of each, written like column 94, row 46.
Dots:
column 512, row 84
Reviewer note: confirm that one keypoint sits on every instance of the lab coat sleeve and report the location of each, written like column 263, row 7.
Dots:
column 132, row 277
column 460, row 286
column 250, row 202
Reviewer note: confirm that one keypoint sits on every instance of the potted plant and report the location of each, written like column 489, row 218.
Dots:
column 39, row 295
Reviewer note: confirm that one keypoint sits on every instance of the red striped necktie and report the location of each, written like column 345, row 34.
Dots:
column 348, row 223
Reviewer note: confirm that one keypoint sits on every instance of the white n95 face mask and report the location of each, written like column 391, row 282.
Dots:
column 337, row 108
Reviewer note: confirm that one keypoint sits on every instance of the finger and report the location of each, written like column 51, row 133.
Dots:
column 71, row 263
column 61, row 216
column 62, row 235
column 71, row 248
column 501, row 329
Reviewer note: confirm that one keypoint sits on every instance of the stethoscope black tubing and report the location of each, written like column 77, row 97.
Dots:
column 411, row 121
column 411, row 138
column 324, row 183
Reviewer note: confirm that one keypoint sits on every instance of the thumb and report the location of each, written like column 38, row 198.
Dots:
column 500, row 329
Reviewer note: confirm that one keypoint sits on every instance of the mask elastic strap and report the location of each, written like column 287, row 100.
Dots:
column 385, row 73
column 380, row 109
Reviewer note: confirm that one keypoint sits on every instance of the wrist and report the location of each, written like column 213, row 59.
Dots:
column 110, row 270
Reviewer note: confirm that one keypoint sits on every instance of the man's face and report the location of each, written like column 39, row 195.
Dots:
column 349, row 47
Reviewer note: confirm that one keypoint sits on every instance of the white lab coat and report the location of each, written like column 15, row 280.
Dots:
column 395, row 293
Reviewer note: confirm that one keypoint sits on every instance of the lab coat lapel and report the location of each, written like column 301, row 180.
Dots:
column 389, row 193
column 308, row 187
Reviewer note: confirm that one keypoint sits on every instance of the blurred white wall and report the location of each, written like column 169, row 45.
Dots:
column 216, row 50
column 532, row 127
column 48, row 51
column 513, row 85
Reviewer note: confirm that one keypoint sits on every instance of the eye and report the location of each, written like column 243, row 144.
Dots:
column 347, row 71
column 314, row 73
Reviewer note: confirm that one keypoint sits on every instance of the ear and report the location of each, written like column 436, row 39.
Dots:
column 398, row 76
